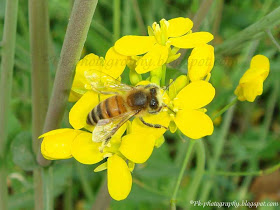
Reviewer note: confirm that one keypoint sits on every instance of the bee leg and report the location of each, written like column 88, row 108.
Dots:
column 152, row 125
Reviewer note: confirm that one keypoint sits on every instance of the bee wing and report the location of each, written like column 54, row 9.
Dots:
column 104, row 83
column 106, row 128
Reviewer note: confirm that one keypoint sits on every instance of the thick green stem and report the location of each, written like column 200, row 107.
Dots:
column 73, row 44
column 39, row 36
column 219, row 144
column 199, row 172
column 253, row 31
column 48, row 188
column 181, row 174
column 7, row 65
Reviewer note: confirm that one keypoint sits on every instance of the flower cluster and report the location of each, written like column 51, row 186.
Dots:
column 134, row 141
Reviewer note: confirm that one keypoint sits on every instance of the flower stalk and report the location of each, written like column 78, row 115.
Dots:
column 73, row 44
column 8, row 52
column 39, row 36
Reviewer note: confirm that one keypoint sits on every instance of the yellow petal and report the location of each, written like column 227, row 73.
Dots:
column 57, row 144
column 161, row 118
column 78, row 113
column 250, row 90
column 179, row 26
column 194, row 124
column 260, row 62
column 89, row 62
column 155, row 58
column 195, row 95
column 191, row 40
column 200, row 62
column 54, row 132
column 134, row 45
column 137, row 147
column 119, row 178
column 85, row 150
column 114, row 63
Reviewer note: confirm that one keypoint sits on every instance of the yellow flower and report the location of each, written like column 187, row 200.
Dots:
column 188, row 113
column 251, row 83
column 156, row 46
column 113, row 65
column 201, row 62
column 121, row 153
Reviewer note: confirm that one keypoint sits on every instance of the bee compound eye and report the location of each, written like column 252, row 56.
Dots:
column 153, row 103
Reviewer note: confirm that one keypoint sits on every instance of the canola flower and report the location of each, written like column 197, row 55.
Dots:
column 121, row 155
column 134, row 142
column 251, row 83
column 156, row 47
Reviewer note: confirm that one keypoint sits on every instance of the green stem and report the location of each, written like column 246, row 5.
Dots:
column 73, row 44
column 219, row 144
column 250, row 173
column 225, row 108
column 163, row 76
column 181, row 173
column 68, row 194
column 48, row 187
column 39, row 36
column 253, row 31
column 199, row 172
column 7, row 65
column 117, row 19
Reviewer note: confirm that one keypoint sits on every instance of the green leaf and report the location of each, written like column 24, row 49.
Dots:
column 21, row 149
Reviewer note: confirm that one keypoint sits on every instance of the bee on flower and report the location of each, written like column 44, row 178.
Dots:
column 121, row 124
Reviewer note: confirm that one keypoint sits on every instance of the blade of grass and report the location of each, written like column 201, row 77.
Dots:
column 73, row 44
column 7, row 65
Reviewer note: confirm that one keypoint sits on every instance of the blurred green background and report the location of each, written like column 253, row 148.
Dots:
column 247, row 137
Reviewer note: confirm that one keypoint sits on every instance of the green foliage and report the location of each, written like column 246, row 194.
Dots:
column 21, row 148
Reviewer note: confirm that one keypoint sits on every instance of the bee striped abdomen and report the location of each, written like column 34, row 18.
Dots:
column 111, row 107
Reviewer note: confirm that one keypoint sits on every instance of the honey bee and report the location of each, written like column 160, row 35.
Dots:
column 126, row 102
